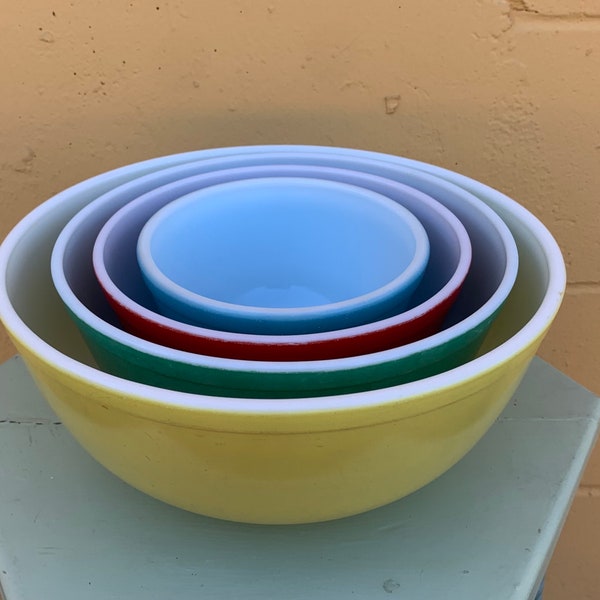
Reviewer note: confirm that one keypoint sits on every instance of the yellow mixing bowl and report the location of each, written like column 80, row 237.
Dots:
column 271, row 461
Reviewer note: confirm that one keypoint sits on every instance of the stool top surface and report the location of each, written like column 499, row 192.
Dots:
column 69, row 530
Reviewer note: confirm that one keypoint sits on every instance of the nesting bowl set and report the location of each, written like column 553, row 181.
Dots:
column 279, row 334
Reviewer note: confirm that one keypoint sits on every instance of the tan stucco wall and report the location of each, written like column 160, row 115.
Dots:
column 507, row 91
column 494, row 89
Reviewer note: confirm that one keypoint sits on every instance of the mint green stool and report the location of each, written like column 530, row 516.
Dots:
column 69, row 530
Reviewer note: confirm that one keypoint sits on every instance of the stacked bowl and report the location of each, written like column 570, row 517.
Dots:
column 279, row 334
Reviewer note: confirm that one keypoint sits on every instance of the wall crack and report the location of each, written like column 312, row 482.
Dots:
column 521, row 6
column 530, row 11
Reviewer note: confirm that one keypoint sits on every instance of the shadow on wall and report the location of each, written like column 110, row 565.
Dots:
column 73, row 150
column 410, row 134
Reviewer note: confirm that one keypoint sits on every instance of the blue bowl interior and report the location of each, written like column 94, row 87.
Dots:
column 280, row 242
column 282, row 250
column 119, row 236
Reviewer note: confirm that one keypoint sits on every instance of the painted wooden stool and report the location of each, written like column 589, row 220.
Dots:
column 69, row 530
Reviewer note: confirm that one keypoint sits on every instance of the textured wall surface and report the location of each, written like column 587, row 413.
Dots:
column 506, row 91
